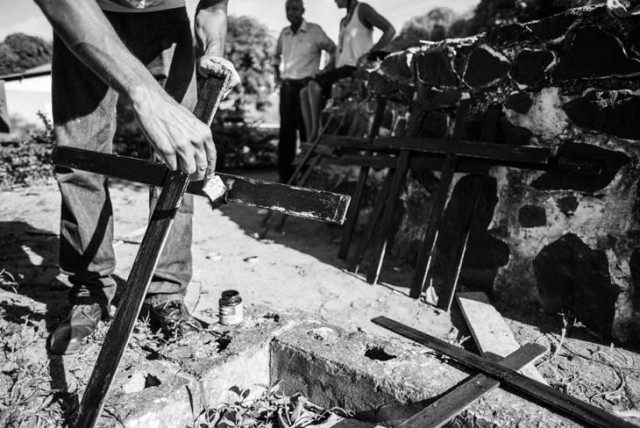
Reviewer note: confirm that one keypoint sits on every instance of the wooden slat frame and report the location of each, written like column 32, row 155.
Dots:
column 553, row 398
column 454, row 402
column 306, row 203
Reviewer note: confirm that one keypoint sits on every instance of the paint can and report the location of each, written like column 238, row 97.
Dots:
column 230, row 307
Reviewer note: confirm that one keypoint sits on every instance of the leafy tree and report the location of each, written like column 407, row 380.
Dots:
column 432, row 26
column 21, row 52
column 250, row 47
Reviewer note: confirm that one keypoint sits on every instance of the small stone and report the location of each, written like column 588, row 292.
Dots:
column 520, row 102
column 568, row 205
column 572, row 276
column 611, row 112
column 594, row 53
column 398, row 66
column 135, row 383
column 324, row 334
column 532, row 216
column 485, row 67
column 530, row 66
column 435, row 67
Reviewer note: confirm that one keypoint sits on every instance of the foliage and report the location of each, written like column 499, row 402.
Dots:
column 29, row 161
column 271, row 409
column 249, row 47
column 21, row 52
column 29, row 400
column 432, row 26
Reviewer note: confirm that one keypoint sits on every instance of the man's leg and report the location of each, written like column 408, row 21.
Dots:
column 305, row 108
column 290, row 122
column 315, row 107
column 165, row 44
column 84, row 116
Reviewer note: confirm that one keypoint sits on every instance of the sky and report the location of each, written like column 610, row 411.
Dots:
column 24, row 16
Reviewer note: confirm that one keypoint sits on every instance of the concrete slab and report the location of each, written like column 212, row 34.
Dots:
column 373, row 375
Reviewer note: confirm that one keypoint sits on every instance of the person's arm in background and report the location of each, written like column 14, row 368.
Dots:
column 370, row 17
column 180, row 139
column 327, row 45
column 277, row 59
column 211, row 33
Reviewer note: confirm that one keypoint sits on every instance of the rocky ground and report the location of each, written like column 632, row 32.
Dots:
column 294, row 271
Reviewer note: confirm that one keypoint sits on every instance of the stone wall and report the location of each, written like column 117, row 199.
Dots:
column 558, row 241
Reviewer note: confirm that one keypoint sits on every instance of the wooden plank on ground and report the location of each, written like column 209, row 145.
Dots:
column 454, row 402
column 490, row 331
column 299, row 202
column 553, row 398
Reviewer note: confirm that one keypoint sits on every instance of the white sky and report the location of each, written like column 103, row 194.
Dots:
column 24, row 16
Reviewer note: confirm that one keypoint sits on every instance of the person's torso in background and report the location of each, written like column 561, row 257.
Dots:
column 301, row 51
column 139, row 5
column 355, row 40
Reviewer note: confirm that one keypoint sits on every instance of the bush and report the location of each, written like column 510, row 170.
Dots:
column 28, row 162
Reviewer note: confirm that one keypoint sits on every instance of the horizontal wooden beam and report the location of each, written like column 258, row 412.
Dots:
column 300, row 202
column 471, row 149
column 500, row 152
column 564, row 403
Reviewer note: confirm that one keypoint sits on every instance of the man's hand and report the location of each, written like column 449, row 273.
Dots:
column 180, row 139
column 212, row 65
column 617, row 9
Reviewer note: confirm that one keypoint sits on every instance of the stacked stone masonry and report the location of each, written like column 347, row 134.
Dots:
column 542, row 240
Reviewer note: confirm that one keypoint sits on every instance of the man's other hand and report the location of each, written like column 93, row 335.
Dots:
column 180, row 139
column 212, row 65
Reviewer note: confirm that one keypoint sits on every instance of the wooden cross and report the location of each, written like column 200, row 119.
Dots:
column 493, row 374
column 301, row 202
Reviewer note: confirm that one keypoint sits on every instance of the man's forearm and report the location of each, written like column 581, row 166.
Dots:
column 86, row 31
column 211, row 26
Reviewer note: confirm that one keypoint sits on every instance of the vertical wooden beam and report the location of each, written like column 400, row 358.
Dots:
column 453, row 264
column 356, row 199
column 144, row 265
column 380, row 244
column 425, row 256
column 372, row 225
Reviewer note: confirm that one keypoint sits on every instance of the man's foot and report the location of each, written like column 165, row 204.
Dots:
column 81, row 322
column 174, row 319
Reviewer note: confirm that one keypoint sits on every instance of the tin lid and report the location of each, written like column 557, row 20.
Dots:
column 230, row 297
column 228, row 294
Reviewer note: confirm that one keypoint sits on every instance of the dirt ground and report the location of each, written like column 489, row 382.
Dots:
column 294, row 271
